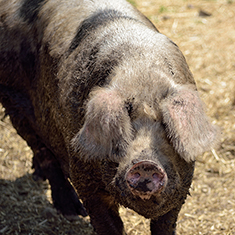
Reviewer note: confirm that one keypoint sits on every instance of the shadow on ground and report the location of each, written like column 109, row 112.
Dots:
column 25, row 209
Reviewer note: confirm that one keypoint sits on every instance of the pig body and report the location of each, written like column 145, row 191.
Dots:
column 105, row 100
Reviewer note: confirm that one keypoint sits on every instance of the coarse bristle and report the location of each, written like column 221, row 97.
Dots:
column 205, row 32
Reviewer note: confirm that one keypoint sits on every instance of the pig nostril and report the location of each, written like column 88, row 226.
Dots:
column 155, row 176
column 133, row 178
column 136, row 175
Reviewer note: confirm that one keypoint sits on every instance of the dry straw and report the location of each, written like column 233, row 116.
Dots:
column 208, row 44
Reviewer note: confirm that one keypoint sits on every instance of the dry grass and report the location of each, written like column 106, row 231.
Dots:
column 208, row 44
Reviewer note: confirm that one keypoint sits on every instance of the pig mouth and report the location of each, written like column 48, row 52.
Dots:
column 146, row 179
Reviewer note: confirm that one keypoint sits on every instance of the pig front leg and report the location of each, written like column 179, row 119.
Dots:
column 100, row 205
column 104, row 214
column 64, row 196
column 166, row 224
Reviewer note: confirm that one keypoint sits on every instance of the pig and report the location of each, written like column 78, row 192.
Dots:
column 108, row 106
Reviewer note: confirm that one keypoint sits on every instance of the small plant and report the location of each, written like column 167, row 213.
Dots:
column 163, row 9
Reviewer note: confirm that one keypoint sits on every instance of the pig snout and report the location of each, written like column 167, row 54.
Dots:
column 145, row 179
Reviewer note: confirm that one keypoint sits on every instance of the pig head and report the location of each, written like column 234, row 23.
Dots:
column 147, row 147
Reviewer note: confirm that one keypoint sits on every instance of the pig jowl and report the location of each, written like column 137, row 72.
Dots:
column 104, row 101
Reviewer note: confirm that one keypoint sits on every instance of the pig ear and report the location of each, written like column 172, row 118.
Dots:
column 107, row 128
column 187, row 125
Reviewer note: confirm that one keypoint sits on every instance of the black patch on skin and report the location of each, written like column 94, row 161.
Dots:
column 30, row 9
column 98, row 72
column 103, row 17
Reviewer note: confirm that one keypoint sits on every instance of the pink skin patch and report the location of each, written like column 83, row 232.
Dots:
column 145, row 179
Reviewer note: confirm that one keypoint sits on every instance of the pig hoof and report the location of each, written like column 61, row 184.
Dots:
column 71, row 210
column 145, row 179
column 82, row 211
column 72, row 213
column 66, row 200
column 37, row 177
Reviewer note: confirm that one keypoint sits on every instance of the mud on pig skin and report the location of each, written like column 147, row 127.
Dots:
column 104, row 100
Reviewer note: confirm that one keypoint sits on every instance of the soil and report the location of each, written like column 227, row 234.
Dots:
column 205, row 32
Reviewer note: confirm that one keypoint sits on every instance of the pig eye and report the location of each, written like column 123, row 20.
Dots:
column 129, row 108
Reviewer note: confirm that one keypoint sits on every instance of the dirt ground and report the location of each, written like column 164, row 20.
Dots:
column 205, row 32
